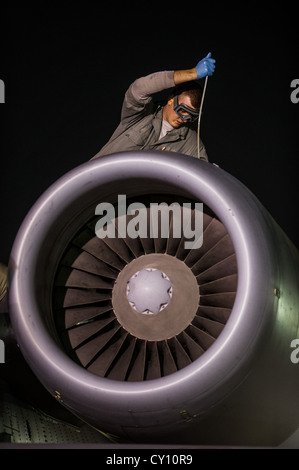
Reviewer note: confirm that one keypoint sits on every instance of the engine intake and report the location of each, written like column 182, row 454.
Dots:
column 148, row 340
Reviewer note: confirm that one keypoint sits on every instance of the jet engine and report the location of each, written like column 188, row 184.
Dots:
column 144, row 337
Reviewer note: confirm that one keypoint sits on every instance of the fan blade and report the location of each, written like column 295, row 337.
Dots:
column 223, row 249
column 71, row 277
column 81, row 315
column 219, row 314
column 179, row 354
column 74, row 297
column 82, row 333
column 78, row 259
column 120, row 369
column 118, row 246
column 193, row 349
column 103, row 362
column 88, row 351
column 96, row 247
column 225, row 267
column 153, row 370
column 213, row 232
column 224, row 284
column 136, row 372
column 133, row 244
column 201, row 337
column 225, row 299
column 168, row 365
column 212, row 327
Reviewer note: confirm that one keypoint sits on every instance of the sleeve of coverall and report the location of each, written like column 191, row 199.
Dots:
column 138, row 96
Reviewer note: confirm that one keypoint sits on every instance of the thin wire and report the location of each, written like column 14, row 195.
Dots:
column 200, row 113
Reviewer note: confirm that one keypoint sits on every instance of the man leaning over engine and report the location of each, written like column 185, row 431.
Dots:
column 148, row 125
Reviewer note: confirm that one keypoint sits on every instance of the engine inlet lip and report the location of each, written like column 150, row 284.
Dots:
column 200, row 179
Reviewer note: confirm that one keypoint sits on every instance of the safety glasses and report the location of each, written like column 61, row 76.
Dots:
column 185, row 112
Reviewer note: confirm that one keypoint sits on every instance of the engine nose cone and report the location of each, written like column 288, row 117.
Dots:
column 149, row 291
column 155, row 297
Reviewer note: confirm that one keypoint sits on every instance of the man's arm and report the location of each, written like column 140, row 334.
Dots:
column 139, row 93
column 182, row 76
column 204, row 67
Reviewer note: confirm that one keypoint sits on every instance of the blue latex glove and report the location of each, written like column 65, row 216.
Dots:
column 205, row 67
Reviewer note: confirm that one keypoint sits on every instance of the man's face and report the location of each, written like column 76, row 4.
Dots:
column 171, row 116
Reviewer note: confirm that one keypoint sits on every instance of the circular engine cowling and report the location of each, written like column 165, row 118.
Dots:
column 144, row 337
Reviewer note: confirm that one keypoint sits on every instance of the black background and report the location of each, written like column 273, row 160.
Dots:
column 66, row 71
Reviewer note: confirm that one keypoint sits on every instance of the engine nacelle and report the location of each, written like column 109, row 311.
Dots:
column 212, row 364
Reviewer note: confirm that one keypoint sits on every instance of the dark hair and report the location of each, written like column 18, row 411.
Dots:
column 192, row 89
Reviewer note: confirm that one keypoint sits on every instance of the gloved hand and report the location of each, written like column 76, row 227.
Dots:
column 205, row 67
